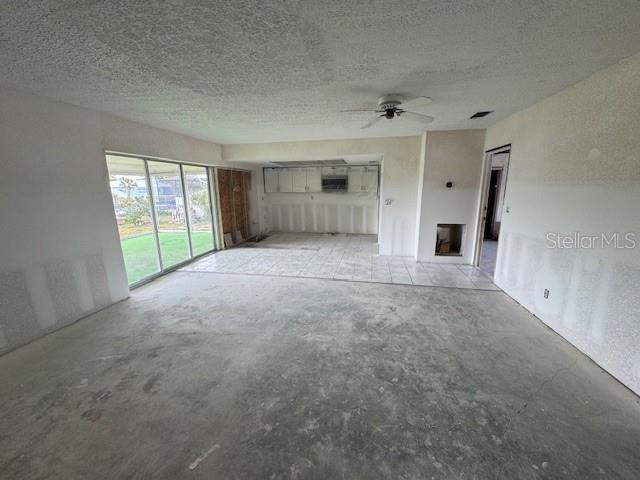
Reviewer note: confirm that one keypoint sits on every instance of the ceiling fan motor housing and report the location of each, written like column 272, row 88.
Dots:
column 391, row 106
column 389, row 102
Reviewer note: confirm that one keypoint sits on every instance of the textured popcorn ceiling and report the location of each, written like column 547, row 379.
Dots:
column 256, row 71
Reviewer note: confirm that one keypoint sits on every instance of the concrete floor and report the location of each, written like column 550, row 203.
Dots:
column 214, row 376
column 239, row 377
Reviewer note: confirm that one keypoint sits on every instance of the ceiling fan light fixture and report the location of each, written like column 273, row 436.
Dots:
column 393, row 105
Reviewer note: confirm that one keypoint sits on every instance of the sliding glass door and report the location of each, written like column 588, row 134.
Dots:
column 132, row 204
column 164, row 213
column 196, row 181
column 171, row 217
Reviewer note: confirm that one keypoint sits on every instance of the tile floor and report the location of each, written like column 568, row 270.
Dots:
column 488, row 256
column 339, row 257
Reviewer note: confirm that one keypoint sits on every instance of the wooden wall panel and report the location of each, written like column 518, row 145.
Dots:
column 233, row 189
column 226, row 200
column 240, row 207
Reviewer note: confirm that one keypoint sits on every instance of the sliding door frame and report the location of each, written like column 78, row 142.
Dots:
column 214, row 201
column 186, row 212
column 213, row 207
column 154, row 220
column 219, row 226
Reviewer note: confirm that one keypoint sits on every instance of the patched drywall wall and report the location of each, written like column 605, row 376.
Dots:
column 60, row 255
column 450, row 156
column 575, row 167
column 322, row 212
column 398, row 181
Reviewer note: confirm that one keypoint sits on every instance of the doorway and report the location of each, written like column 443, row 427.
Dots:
column 495, row 171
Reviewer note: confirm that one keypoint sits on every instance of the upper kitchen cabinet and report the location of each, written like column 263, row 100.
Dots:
column 314, row 179
column 355, row 179
column 299, row 180
column 271, row 180
column 363, row 179
column 370, row 179
column 285, row 180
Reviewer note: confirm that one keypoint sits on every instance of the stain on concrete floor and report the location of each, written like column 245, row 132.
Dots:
column 244, row 377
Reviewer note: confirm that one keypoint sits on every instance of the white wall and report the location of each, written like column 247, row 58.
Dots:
column 454, row 156
column 60, row 256
column 399, row 177
column 575, row 167
column 258, row 222
column 322, row 212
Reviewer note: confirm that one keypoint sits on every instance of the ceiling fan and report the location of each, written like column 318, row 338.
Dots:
column 392, row 106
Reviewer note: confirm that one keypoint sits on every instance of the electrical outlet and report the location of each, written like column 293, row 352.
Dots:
column 546, row 293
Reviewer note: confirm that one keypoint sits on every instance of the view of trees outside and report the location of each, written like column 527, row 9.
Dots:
column 128, row 181
column 166, row 188
column 197, row 186
column 132, row 204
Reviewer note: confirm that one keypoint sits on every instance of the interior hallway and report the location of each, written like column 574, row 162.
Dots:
column 233, row 377
column 488, row 257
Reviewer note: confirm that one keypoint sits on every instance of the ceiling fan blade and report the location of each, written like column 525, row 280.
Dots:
column 375, row 120
column 367, row 110
column 416, row 103
column 417, row 117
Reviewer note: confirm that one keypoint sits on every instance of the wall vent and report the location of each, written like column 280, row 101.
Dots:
column 481, row 114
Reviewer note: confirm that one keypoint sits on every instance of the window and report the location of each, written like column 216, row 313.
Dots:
column 163, row 211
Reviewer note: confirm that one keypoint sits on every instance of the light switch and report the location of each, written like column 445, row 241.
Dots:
column 388, row 201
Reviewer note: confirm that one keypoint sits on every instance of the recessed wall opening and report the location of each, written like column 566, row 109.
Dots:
column 324, row 199
column 449, row 239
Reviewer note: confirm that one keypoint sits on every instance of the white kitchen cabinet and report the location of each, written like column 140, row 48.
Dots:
column 314, row 179
column 270, row 180
column 355, row 179
column 370, row 179
column 299, row 180
column 363, row 179
column 285, row 180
